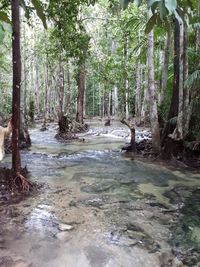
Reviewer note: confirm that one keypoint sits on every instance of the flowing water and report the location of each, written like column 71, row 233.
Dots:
column 97, row 208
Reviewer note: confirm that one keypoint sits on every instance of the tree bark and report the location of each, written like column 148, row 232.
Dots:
column 60, row 90
column 18, row 179
column 132, row 129
column 16, row 159
column 165, row 67
column 178, row 132
column 198, row 31
column 138, row 95
column 81, row 91
column 115, row 100
column 173, row 111
column 152, row 95
column 125, row 82
column 68, row 102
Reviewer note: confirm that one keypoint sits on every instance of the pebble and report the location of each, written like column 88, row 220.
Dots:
column 65, row 227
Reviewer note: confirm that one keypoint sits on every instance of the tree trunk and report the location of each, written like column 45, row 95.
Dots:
column 187, row 95
column 192, row 92
column 152, row 95
column 115, row 100
column 138, row 95
column 165, row 67
column 198, row 31
column 178, row 132
column 81, row 91
column 132, row 129
column 68, row 102
column 60, row 90
column 125, row 91
column 173, row 111
column 16, row 158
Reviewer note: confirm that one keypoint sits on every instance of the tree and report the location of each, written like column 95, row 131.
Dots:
column 16, row 158
column 81, row 92
column 152, row 95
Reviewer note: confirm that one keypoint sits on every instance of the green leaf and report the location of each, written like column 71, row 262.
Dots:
column 4, row 17
column 39, row 10
column 150, row 24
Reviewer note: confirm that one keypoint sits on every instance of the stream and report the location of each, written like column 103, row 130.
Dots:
column 98, row 207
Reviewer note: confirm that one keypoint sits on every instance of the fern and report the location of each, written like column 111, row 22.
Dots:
column 193, row 79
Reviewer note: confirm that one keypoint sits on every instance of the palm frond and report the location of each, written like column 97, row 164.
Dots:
column 192, row 79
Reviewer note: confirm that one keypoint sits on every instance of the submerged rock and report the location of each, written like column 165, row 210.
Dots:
column 65, row 227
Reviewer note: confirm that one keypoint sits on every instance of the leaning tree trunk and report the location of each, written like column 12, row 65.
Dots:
column 16, row 158
column 132, row 129
column 152, row 95
column 81, row 91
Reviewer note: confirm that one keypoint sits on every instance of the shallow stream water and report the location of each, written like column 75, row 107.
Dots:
column 97, row 208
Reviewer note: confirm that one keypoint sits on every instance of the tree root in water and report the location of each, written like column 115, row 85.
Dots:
column 21, row 182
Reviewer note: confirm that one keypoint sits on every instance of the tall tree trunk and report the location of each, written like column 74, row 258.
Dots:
column 165, row 67
column 191, row 93
column 187, row 95
column 68, row 102
column 178, row 132
column 60, row 90
column 173, row 111
column 16, row 158
column 152, row 95
column 198, row 31
column 115, row 100
column 138, row 95
column 24, row 77
column 81, row 91
column 125, row 91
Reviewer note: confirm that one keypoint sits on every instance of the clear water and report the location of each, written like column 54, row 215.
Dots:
column 92, row 187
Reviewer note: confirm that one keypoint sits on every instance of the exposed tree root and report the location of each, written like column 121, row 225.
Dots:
column 21, row 182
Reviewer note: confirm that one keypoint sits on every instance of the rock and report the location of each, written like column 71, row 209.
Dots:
column 65, row 227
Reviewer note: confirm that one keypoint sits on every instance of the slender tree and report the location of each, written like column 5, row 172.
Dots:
column 81, row 92
column 152, row 94
column 16, row 158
